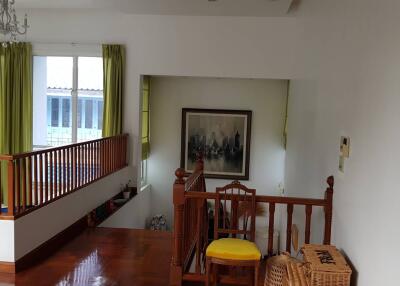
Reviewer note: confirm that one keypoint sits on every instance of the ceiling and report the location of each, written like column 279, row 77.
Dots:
column 257, row 8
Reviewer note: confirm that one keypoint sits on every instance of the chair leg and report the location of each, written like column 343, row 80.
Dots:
column 208, row 266
column 215, row 273
column 256, row 269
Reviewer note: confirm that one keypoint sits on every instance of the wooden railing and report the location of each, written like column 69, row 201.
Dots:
column 35, row 179
column 188, row 201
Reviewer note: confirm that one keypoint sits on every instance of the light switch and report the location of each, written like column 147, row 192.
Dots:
column 345, row 146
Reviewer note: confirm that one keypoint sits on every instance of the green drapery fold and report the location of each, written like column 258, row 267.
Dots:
column 15, row 103
column 113, row 85
column 145, row 117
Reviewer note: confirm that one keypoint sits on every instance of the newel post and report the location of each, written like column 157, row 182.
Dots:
column 328, row 210
column 10, row 188
column 177, row 247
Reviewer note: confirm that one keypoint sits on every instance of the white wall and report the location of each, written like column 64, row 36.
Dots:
column 240, row 47
column 7, row 253
column 39, row 226
column 348, row 84
column 265, row 98
column 135, row 214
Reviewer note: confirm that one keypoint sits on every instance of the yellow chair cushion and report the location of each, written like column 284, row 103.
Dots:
column 233, row 249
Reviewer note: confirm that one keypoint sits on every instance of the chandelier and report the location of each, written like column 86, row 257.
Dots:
column 10, row 27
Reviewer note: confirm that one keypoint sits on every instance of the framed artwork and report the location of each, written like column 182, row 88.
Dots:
column 221, row 137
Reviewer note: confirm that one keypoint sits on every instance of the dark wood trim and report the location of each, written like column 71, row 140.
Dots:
column 45, row 249
column 249, row 115
column 50, row 246
column 7, row 267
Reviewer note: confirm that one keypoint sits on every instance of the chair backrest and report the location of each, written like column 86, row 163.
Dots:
column 235, row 212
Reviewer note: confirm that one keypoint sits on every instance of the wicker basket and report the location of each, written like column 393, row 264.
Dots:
column 276, row 269
column 325, row 266
column 294, row 275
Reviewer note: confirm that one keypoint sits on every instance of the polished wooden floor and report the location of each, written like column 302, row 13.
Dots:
column 105, row 257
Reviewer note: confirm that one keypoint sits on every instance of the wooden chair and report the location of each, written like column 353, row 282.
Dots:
column 237, row 248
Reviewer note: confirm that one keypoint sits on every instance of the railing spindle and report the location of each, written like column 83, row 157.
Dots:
column 53, row 174
column 18, row 185
column 42, row 189
column 23, row 181
column 30, row 182
column 86, row 164
column 308, row 224
column 64, row 170
column 78, row 169
column 73, row 167
column 59, row 173
column 108, row 156
column 90, row 177
column 289, row 227
column 35, row 175
column 46, row 170
column 11, row 190
column 271, row 228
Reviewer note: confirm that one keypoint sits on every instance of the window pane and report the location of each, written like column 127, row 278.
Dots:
column 88, row 113
column 54, row 112
column 90, row 92
column 52, row 86
column 66, row 112
column 100, row 115
column 53, row 103
column 80, row 112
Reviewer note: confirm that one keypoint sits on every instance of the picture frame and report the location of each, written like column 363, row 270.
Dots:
column 221, row 138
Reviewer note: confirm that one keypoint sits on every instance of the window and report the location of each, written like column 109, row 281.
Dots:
column 100, row 105
column 89, row 114
column 80, row 112
column 66, row 112
column 90, row 93
column 54, row 112
column 67, row 99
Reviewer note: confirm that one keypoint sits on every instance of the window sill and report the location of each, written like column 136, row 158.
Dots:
column 146, row 187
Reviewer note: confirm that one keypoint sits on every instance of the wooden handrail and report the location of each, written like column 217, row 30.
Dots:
column 261, row 199
column 37, row 178
column 8, row 157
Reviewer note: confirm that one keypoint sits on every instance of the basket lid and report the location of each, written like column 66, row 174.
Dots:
column 325, row 258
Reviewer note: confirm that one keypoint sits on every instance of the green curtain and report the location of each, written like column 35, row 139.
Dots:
column 145, row 117
column 15, row 103
column 113, row 85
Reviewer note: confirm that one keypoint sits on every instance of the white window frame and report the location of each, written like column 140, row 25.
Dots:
column 73, row 51
column 143, row 173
